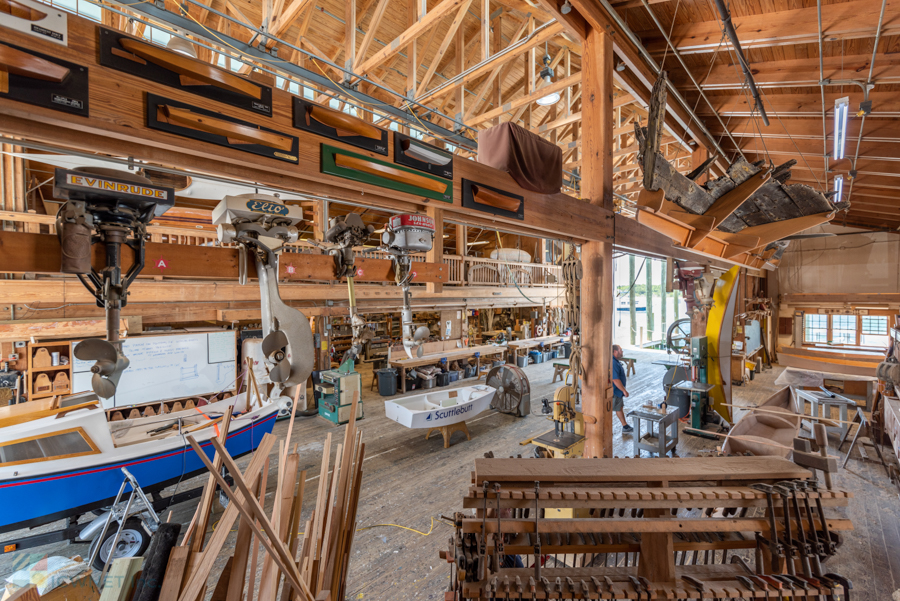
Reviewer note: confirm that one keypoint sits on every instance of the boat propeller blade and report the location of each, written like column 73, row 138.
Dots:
column 109, row 363
column 275, row 348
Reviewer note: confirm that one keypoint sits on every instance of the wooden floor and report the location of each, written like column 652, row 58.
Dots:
column 410, row 482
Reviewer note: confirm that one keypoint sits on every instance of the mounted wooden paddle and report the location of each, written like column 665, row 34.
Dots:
column 391, row 173
column 234, row 132
column 192, row 71
column 20, row 11
column 24, row 64
column 343, row 124
column 483, row 196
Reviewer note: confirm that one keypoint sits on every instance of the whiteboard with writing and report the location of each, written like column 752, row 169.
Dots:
column 168, row 367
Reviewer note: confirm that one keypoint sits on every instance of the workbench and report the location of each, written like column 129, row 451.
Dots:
column 486, row 350
column 520, row 345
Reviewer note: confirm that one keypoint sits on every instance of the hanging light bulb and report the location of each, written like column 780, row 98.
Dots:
column 547, row 75
column 566, row 8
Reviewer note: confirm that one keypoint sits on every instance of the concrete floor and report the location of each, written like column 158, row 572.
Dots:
column 409, row 482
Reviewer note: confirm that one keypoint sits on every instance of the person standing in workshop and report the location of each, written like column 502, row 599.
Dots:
column 619, row 392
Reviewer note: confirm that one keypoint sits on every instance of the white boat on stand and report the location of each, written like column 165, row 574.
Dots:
column 440, row 408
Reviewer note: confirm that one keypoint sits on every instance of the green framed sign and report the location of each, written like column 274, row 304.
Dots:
column 361, row 168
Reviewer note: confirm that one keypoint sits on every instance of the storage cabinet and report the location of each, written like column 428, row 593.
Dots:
column 45, row 379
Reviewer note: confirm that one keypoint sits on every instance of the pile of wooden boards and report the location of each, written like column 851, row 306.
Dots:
column 304, row 565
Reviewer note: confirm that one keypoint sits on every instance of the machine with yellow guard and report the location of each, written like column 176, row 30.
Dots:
column 566, row 439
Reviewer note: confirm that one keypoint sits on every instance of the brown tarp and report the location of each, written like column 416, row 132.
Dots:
column 535, row 163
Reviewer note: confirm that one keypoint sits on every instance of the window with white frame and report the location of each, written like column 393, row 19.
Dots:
column 843, row 329
column 815, row 328
column 874, row 330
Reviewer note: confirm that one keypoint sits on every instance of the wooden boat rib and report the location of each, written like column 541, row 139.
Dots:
column 391, row 173
column 344, row 124
column 20, row 11
column 483, row 196
column 235, row 132
column 27, row 65
column 191, row 68
column 758, row 432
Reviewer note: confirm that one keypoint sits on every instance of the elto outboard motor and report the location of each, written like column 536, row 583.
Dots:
column 263, row 224
column 109, row 207
column 403, row 236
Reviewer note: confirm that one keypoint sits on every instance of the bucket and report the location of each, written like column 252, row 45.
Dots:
column 387, row 381
column 567, row 349
column 547, row 356
column 536, row 356
column 522, row 361
column 554, row 354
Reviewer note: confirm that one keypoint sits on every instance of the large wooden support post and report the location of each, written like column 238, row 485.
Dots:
column 597, row 284
column 436, row 254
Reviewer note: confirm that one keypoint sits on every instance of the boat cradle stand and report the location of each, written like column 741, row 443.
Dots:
column 447, row 432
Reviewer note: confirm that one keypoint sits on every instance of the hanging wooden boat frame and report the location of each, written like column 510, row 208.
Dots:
column 207, row 126
column 361, row 168
column 339, row 126
column 184, row 73
column 42, row 80
column 402, row 157
column 492, row 200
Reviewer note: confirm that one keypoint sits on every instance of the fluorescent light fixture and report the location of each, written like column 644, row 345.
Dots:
column 841, row 110
column 838, row 188
column 549, row 99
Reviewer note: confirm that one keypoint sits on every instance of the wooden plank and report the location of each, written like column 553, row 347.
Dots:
column 826, row 364
column 685, row 469
column 445, row 44
column 197, row 579
column 175, row 571
column 204, row 507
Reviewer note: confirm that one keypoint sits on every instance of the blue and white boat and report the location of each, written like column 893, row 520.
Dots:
column 58, row 461
column 440, row 408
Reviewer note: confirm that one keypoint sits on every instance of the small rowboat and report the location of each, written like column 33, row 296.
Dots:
column 441, row 408
column 769, row 431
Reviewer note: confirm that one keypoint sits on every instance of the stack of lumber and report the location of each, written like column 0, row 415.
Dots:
column 306, row 565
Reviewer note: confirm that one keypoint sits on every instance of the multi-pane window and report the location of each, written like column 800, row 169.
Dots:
column 815, row 328
column 874, row 331
column 843, row 329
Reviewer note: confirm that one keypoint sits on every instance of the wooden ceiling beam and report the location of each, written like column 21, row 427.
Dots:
column 434, row 16
column 842, row 21
column 370, row 33
column 445, row 43
column 556, row 86
column 881, row 130
column 497, row 60
column 501, row 70
column 884, row 104
column 796, row 72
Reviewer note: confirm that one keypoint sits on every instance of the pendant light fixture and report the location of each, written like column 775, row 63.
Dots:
column 547, row 75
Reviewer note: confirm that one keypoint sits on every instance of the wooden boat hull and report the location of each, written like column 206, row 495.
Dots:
column 760, row 432
column 41, row 492
column 441, row 407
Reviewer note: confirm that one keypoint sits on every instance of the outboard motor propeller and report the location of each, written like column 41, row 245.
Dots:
column 109, row 207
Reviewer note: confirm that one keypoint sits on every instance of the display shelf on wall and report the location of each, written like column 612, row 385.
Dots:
column 43, row 378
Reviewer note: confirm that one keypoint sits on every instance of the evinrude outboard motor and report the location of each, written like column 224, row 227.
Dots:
column 263, row 224
column 109, row 207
